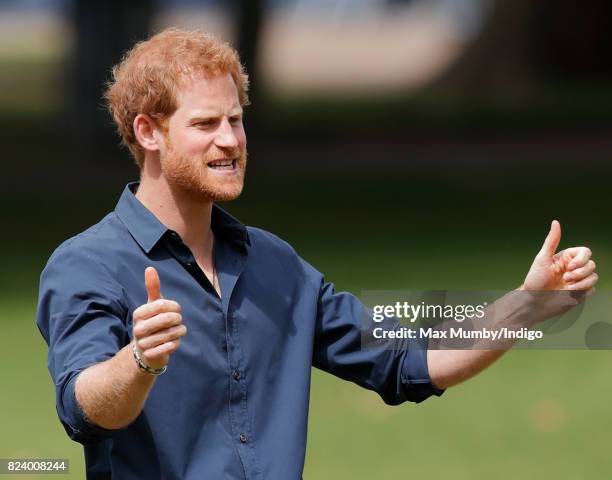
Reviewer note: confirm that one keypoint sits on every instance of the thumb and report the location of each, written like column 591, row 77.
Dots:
column 552, row 240
column 152, row 284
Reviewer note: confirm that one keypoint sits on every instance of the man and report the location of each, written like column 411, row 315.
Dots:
column 232, row 312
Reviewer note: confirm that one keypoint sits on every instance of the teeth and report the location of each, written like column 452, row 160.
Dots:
column 221, row 163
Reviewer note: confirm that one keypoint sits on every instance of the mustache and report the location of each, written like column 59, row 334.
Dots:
column 228, row 154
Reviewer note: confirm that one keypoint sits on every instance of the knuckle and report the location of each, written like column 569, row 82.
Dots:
column 172, row 306
column 161, row 320
column 152, row 327
column 168, row 320
column 145, row 327
column 139, row 315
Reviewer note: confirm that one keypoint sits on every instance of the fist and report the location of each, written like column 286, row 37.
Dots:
column 157, row 325
column 569, row 269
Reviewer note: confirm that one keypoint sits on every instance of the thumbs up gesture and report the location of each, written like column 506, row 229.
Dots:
column 569, row 269
column 158, row 325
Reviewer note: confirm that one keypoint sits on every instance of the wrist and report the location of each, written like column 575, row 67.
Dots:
column 143, row 366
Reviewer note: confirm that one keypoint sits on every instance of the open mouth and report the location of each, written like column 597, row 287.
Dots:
column 223, row 164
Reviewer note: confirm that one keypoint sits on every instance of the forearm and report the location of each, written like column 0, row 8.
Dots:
column 451, row 367
column 448, row 366
column 112, row 393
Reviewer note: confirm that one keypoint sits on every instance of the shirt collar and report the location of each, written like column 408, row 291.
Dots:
column 147, row 230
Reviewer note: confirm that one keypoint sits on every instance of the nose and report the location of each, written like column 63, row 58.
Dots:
column 226, row 136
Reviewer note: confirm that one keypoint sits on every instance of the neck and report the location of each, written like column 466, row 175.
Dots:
column 179, row 211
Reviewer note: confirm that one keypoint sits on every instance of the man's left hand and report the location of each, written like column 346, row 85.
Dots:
column 569, row 269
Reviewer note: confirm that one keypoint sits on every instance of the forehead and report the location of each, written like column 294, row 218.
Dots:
column 218, row 93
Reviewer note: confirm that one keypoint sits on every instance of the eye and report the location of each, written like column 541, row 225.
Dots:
column 206, row 123
column 236, row 120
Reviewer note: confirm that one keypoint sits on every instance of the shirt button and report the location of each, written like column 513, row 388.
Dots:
column 236, row 375
column 190, row 265
column 243, row 438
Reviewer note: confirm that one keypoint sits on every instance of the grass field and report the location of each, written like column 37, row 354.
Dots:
column 534, row 415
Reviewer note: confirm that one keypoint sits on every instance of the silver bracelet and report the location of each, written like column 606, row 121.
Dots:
column 144, row 367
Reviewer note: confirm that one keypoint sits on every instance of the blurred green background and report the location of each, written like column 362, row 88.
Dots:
column 447, row 183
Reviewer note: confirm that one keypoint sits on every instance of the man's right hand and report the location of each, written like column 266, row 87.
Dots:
column 158, row 325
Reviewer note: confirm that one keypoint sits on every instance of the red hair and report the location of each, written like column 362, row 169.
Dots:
column 149, row 75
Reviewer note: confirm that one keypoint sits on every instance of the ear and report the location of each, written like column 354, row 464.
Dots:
column 147, row 133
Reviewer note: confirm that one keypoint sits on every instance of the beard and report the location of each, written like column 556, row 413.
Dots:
column 191, row 175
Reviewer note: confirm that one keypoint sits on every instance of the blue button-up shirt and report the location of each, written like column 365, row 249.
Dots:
column 234, row 401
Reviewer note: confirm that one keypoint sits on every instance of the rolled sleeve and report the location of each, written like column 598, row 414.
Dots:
column 414, row 375
column 74, row 420
column 81, row 317
column 398, row 372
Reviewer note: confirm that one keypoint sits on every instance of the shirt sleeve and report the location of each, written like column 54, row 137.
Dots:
column 81, row 317
column 395, row 369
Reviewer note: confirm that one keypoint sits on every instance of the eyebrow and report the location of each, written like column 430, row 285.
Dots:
column 208, row 114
